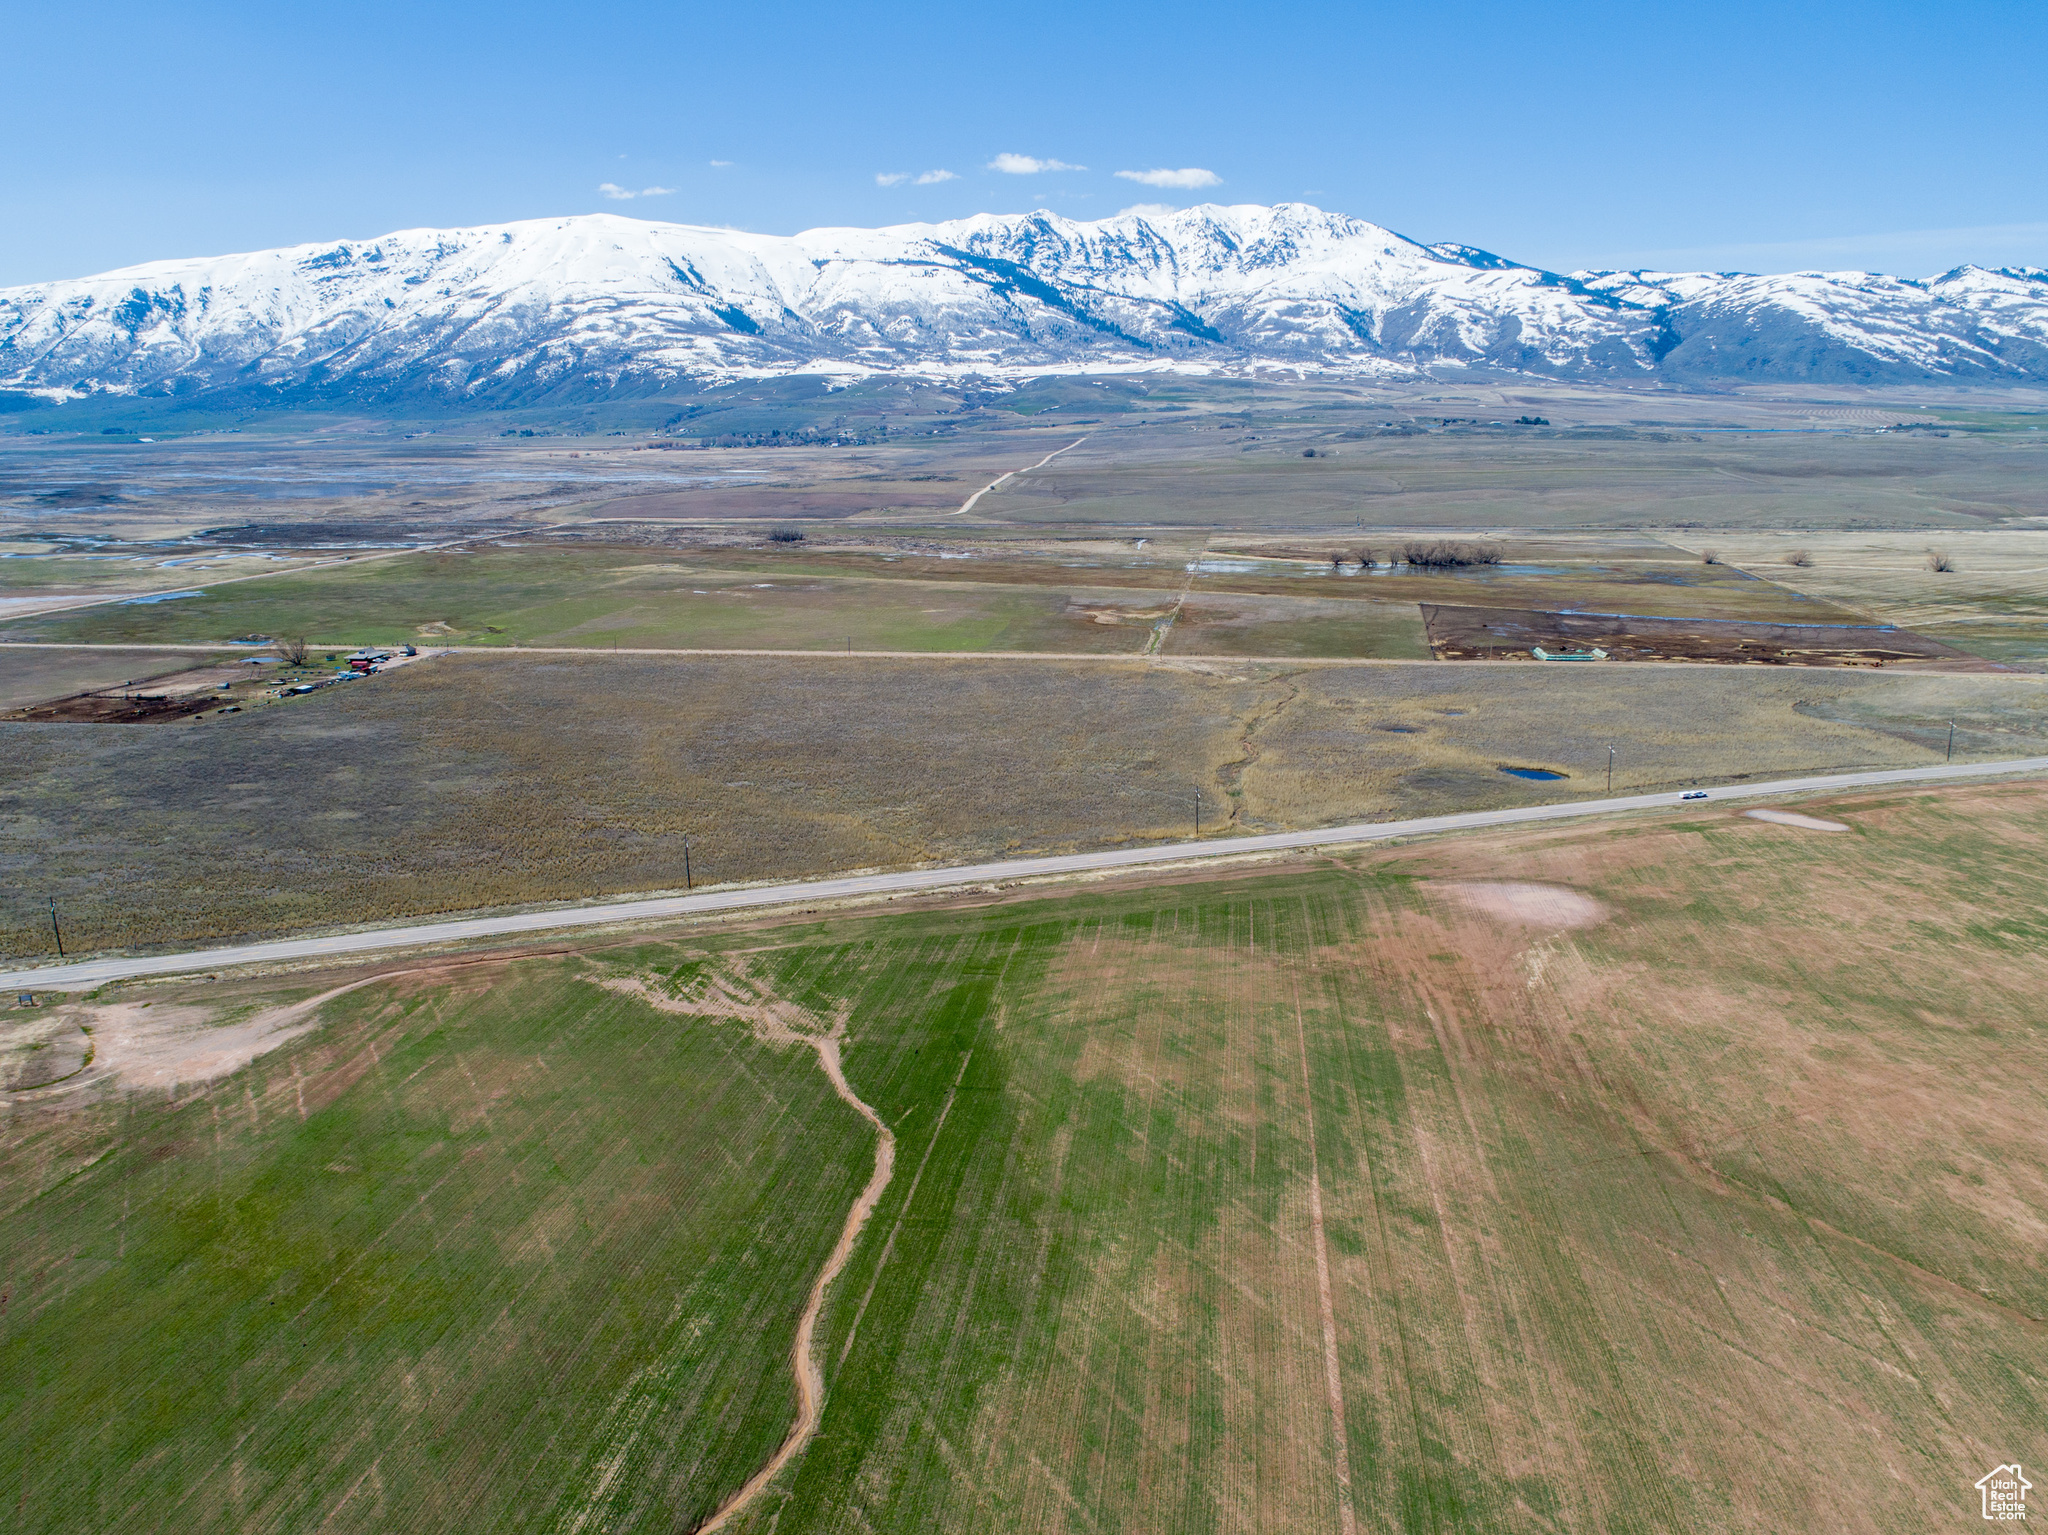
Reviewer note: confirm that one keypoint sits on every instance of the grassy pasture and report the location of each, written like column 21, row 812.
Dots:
column 1658, row 1223
column 1671, row 585
column 1993, row 602
column 171, row 568
column 995, row 598
column 1221, row 624
column 1660, row 589
column 603, row 597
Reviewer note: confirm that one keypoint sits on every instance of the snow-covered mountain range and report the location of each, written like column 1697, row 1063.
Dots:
column 601, row 305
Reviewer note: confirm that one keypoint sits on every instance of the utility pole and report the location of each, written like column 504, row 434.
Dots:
column 1198, row 812
column 56, row 931
column 1610, row 770
column 1951, row 742
column 687, row 885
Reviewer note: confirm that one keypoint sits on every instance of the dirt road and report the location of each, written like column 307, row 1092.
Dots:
column 955, row 657
column 968, row 505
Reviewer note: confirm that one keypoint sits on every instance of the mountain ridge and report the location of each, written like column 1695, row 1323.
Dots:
column 601, row 305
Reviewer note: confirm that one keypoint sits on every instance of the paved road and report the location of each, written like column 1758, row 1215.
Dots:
column 93, row 973
column 913, row 881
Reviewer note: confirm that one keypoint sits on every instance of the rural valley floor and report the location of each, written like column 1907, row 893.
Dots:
column 1678, row 1171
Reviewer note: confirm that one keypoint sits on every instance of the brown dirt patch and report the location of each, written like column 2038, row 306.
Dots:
column 161, row 1046
column 115, row 709
column 734, row 994
column 1474, row 633
column 1794, row 818
column 40, row 1046
column 1532, row 905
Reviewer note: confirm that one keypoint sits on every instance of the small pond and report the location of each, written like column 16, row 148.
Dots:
column 1538, row 774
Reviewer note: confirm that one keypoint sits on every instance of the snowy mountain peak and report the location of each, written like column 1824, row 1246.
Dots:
column 599, row 303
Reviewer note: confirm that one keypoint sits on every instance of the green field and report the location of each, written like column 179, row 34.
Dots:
column 1657, row 1223
column 427, row 1263
column 170, row 568
column 982, row 595
column 1228, row 625
column 601, row 598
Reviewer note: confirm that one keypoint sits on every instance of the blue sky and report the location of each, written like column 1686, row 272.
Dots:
column 1766, row 137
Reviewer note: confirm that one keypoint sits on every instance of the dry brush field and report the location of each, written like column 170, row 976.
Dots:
column 1670, row 1175
column 469, row 782
column 1254, row 474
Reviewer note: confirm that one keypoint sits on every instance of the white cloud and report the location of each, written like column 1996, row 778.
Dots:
column 933, row 178
column 1029, row 165
column 657, row 191
column 719, row 165
column 615, row 193
column 1189, row 176
column 891, row 178
column 1148, row 210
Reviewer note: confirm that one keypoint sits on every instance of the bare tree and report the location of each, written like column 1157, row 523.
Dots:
column 1450, row 553
column 292, row 649
column 1799, row 557
column 1710, row 556
column 1938, row 560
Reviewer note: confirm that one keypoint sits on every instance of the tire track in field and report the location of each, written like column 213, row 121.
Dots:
column 1333, row 1379
column 888, row 1247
